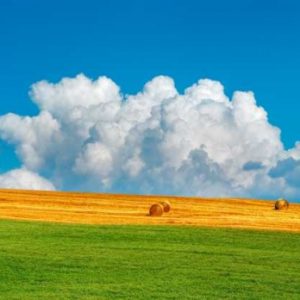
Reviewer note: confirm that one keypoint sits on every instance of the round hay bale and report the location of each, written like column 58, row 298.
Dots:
column 156, row 210
column 281, row 204
column 166, row 205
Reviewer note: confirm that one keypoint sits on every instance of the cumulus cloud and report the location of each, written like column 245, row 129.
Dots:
column 89, row 136
column 35, row 137
column 24, row 179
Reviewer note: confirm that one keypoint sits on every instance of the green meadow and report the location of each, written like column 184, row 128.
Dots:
column 54, row 261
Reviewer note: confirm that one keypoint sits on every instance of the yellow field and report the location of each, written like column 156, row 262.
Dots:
column 87, row 208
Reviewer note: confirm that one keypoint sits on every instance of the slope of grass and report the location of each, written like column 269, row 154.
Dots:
column 53, row 261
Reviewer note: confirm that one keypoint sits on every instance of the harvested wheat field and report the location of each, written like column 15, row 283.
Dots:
column 88, row 208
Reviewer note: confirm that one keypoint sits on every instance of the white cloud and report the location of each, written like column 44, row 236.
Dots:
column 95, row 160
column 89, row 136
column 71, row 93
column 24, row 179
column 36, row 138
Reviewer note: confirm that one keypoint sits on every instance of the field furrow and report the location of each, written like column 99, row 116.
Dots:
column 88, row 208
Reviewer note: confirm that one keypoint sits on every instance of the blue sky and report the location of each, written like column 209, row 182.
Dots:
column 246, row 45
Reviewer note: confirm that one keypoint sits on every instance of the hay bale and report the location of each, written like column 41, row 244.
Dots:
column 156, row 210
column 281, row 204
column 166, row 205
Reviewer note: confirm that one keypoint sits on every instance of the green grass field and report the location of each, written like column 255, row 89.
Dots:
column 53, row 261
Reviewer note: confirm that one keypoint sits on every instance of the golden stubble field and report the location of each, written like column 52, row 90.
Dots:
column 88, row 208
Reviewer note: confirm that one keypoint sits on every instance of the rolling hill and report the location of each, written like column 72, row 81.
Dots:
column 88, row 208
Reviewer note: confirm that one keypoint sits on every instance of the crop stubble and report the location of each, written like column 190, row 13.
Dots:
column 89, row 208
